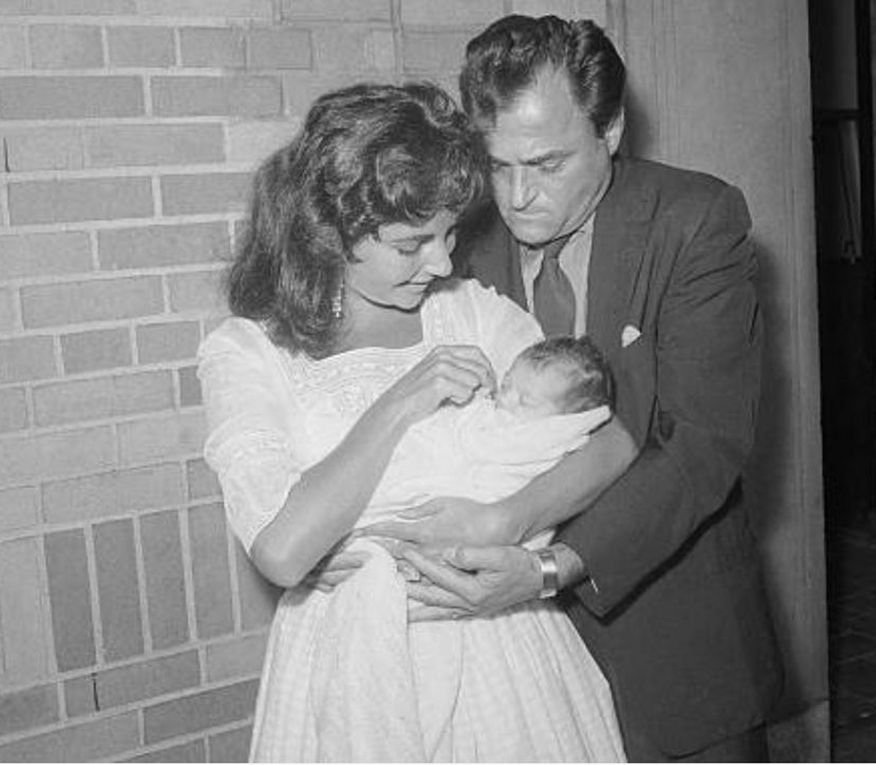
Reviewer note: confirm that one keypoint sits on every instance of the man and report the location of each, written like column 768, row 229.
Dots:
column 660, row 573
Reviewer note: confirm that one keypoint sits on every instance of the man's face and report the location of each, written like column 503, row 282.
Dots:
column 549, row 169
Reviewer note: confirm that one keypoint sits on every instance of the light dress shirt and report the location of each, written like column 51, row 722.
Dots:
column 575, row 263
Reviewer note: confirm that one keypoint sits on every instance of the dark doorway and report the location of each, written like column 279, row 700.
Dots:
column 841, row 44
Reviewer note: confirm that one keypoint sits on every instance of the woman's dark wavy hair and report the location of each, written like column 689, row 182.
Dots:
column 508, row 55
column 366, row 156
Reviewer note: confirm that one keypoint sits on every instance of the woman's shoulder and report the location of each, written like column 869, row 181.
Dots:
column 240, row 334
column 458, row 292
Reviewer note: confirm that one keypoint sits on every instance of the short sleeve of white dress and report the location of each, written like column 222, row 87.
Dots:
column 500, row 327
column 250, row 420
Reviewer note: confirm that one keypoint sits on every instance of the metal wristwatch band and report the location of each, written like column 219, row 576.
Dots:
column 550, row 576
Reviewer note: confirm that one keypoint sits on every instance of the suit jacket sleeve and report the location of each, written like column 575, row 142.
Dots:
column 706, row 358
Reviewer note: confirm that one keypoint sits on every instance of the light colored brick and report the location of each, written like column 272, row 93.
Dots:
column 190, row 751
column 28, row 459
column 197, row 291
column 12, row 47
column 254, row 141
column 109, row 146
column 51, row 254
column 89, row 742
column 98, row 349
column 26, row 622
column 118, row 589
column 55, row 304
column 65, row 7
column 279, row 49
column 45, row 149
column 338, row 10
column 27, row 358
column 85, row 199
column 207, row 193
column 199, row 711
column 28, row 708
column 169, row 341
column 120, row 491
column 70, row 598
column 156, row 246
column 230, row 745
column 344, row 49
column 202, row 481
column 457, row 13
column 301, row 89
column 147, row 679
column 220, row 47
column 13, row 409
column 56, row 46
column 240, row 657
column 19, row 508
column 161, row 438
column 7, row 310
column 433, row 52
column 223, row 9
column 565, row 9
column 243, row 96
column 380, row 51
column 118, row 396
column 39, row 98
column 164, row 579
column 140, row 46
column 189, row 387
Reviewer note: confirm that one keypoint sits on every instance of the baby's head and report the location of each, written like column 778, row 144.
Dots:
column 561, row 375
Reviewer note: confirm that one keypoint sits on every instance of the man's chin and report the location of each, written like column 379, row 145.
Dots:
column 530, row 233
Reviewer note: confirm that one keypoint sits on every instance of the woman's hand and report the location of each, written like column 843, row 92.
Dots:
column 335, row 567
column 448, row 521
column 451, row 373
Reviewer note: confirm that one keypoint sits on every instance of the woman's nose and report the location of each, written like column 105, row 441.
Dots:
column 438, row 259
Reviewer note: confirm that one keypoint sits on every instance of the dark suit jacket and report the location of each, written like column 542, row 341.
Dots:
column 679, row 623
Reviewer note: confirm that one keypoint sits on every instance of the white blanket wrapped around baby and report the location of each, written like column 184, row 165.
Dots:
column 371, row 687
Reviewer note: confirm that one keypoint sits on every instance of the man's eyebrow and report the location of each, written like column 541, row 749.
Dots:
column 540, row 159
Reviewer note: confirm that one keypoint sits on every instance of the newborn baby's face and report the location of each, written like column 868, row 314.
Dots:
column 529, row 393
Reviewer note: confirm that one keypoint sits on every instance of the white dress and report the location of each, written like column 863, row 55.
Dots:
column 346, row 678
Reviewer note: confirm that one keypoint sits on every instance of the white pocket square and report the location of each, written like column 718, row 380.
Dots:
column 629, row 335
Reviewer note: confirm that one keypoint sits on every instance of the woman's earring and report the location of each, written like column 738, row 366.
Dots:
column 338, row 302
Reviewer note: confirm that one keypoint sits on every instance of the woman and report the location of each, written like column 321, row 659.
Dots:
column 346, row 334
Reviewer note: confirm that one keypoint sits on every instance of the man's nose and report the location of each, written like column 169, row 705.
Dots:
column 522, row 190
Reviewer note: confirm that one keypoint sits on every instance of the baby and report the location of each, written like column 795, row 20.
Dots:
column 562, row 375
column 553, row 396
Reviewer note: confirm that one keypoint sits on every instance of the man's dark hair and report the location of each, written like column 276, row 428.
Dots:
column 506, row 58
column 366, row 156
column 590, row 380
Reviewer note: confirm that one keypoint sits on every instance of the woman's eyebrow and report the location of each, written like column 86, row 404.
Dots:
column 410, row 239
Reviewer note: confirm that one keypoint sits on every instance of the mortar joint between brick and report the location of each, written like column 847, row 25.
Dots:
column 104, row 46
column 96, row 620
column 140, row 566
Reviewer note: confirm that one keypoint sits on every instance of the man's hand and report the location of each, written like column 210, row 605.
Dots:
column 448, row 521
column 468, row 581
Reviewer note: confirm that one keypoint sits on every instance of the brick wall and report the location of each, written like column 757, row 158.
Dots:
column 131, row 626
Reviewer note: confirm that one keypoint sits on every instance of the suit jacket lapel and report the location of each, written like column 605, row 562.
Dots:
column 620, row 261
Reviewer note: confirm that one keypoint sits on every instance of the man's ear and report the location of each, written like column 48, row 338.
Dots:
column 614, row 132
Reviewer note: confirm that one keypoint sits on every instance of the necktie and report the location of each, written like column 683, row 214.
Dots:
column 553, row 299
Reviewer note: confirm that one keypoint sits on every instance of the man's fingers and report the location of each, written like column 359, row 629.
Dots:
column 477, row 558
column 421, row 613
column 427, row 594
column 451, row 579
